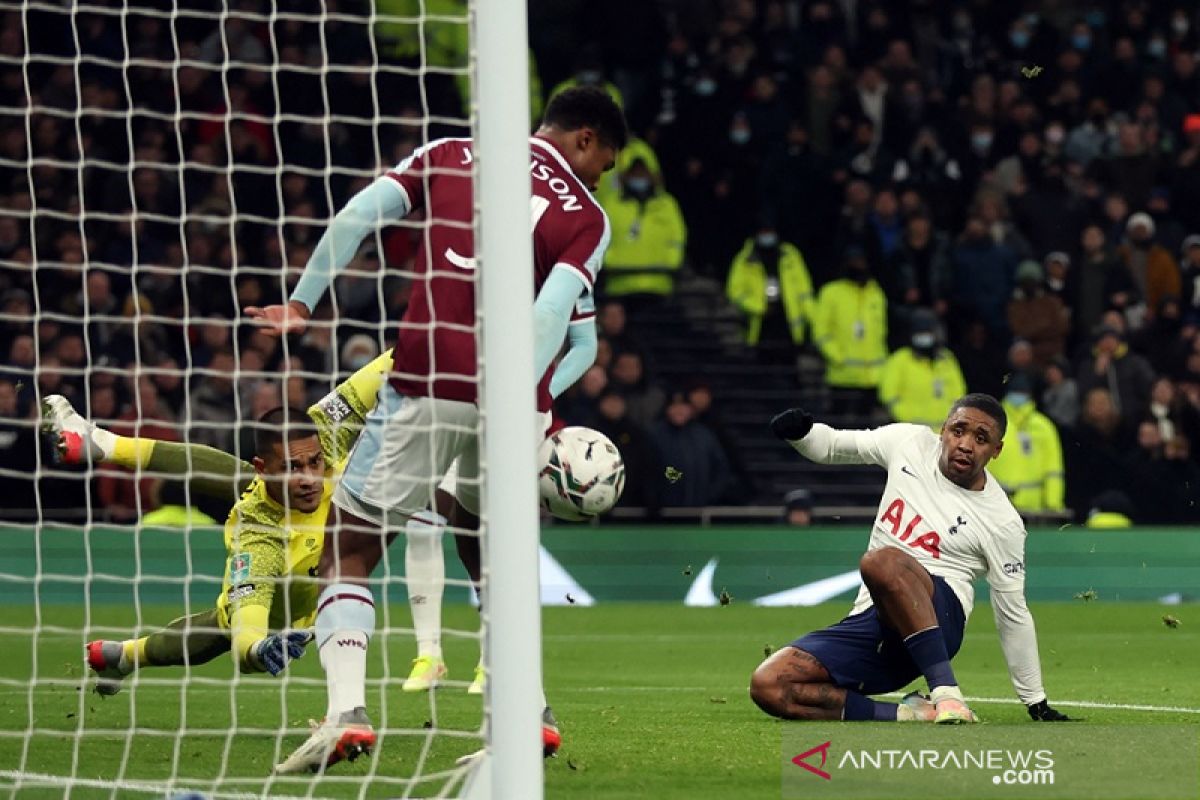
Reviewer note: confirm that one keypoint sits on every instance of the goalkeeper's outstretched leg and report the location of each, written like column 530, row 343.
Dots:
column 196, row 639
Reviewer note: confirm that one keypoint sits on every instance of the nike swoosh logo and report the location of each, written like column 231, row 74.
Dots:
column 907, row 471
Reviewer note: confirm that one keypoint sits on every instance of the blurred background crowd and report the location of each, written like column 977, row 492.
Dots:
column 874, row 205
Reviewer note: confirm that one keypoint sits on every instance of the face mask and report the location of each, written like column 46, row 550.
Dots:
column 1095, row 18
column 1032, row 18
column 705, row 87
column 767, row 241
column 981, row 142
column 1017, row 398
column 357, row 362
column 1156, row 48
column 924, row 341
column 1019, row 39
column 1081, row 41
column 739, row 136
column 638, row 186
column 590, row 77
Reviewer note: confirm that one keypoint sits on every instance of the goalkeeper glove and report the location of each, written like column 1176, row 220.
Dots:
column 792, row 425
column 275, row 651
column 1042, row 712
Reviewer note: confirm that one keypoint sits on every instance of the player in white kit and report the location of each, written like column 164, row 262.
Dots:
column 943, row 522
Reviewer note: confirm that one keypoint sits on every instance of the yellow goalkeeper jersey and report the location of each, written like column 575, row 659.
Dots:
column 272, row 552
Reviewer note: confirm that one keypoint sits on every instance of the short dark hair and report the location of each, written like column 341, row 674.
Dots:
column 588, row 107
column 985, row 403
column 278, row 423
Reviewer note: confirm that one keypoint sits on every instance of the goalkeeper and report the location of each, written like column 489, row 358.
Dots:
column 274, row 534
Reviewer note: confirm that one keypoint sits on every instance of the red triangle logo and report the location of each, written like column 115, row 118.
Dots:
column 823, row 749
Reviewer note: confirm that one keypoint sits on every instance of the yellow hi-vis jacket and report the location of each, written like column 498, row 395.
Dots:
column 921, row 390
column 1030, row 468
column 646, row 249
column 850, row 328
column 747, row 289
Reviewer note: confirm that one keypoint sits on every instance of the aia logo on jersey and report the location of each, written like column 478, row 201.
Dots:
column 928, row 541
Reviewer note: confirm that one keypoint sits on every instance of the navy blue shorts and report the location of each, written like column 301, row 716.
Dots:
column 861, row 654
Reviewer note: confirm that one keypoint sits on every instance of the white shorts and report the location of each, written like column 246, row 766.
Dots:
column 449, row 484
column 406, row 446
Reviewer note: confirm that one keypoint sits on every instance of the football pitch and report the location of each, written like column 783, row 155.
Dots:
column 651, row 699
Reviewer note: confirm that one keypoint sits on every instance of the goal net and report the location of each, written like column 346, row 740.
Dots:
column 164, row 166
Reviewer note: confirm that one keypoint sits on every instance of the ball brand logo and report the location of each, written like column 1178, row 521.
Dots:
column 823, row 749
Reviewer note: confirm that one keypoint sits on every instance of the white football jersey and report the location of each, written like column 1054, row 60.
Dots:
column 955, row 533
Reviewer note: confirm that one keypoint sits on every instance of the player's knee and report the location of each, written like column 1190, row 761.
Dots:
column 766, row 690
column 880, row 569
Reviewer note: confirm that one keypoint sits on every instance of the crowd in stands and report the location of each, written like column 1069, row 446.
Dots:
column 932, row 197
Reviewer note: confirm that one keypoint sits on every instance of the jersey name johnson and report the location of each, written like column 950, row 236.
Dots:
column 435, row 352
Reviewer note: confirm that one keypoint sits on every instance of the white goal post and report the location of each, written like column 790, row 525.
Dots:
column 512, row 635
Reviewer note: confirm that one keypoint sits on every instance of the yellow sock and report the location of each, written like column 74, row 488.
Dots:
column 134, row 652
column 132, row 452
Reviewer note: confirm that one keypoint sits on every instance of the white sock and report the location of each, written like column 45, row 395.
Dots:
column 946, row 693
column 345, row 621
column 425, row 573
column 105, row 440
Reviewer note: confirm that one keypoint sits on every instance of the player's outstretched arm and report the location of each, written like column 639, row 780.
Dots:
column 825, row 445
column 76, row 440
column 382, row 201
column 1018, row 640
column 340, row 415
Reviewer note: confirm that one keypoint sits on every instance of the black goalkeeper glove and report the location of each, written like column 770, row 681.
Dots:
column 1042, row 712
column 792, row 425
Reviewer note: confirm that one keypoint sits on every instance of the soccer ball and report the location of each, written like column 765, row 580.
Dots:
column 581, row 475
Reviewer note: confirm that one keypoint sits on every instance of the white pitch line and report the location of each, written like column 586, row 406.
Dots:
column 302, row 689
column 1081, row 704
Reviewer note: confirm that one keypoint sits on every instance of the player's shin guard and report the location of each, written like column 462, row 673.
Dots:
column 860, row 708
column 425, row 573
column 345, row 621
column 928, row 651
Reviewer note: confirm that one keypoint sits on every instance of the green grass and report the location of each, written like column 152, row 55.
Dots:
column 651, row 698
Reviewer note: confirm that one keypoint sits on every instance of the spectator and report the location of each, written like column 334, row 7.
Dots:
column 981, row 359
column 1060, row 395
column 1098, row 266
column 643, row 469
column 700, row 396
column 611, row 322
column 1030, row 468
column 693, row 451
column 770, row 284
column 1173, row 415
column 1158, row 340
column 1113, row 366
column 920, row 382
column 18, row 453
column 648, row 237
column 123, row 497
column 983, row 273
column 211, row 422
column 850, row 329
column 579, row 405
column 919, row 270
column 1190, row 269
column 1037, row 316
column 1152, row 267
column 797, row 508
column 1059, row 279
column 1162, row 475
column 1094, row 454
column 643, row 399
